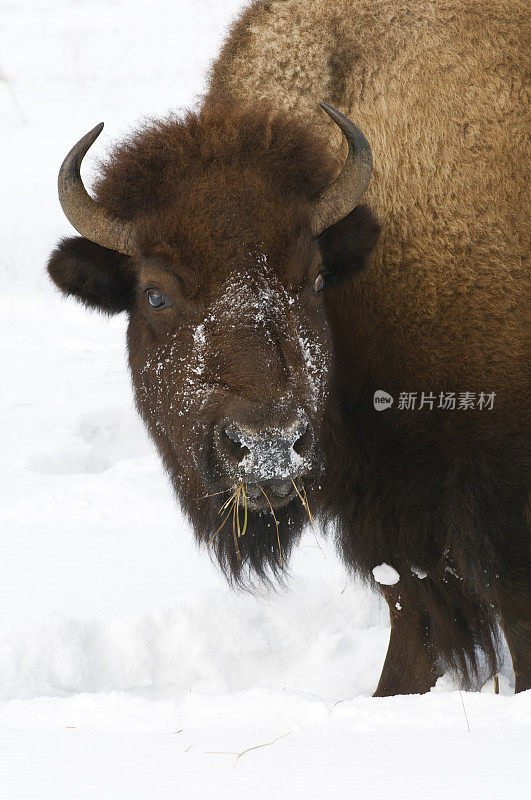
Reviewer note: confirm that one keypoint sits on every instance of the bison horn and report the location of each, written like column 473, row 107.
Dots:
column 90, row 219
column 344, row 194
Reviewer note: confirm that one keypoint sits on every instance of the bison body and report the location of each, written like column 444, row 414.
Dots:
column 259, row 334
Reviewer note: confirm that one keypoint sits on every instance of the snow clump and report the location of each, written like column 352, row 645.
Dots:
column 385, row 574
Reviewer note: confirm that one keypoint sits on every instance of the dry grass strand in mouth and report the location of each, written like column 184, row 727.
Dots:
column 305, row 503
column 220, row 527
column 244, row 509
column 226, row 503
column 304, row 500
column 233, row 505
column 236, row 519
column 223, row 507
column 310, row 517
column 276, row 523
column 214, row 494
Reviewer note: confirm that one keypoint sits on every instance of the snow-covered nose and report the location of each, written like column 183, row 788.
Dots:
column 273, row 455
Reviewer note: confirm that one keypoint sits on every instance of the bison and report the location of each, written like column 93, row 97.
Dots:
column 269, row 309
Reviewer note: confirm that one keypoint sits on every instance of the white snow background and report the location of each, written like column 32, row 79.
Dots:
column 127, row 668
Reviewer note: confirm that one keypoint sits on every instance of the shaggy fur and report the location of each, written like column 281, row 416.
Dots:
column 221, row 204
column 439, row 89
column 100, row 278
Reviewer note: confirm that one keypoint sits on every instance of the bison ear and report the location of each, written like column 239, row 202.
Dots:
column 100, row 278
column 346, row 246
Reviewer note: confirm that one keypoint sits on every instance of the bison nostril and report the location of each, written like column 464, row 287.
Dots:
column 233, row 434
column 303, row 442
column 234, row 443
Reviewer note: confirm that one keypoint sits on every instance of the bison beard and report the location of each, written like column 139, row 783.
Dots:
column 264, row 549
column 245, row 191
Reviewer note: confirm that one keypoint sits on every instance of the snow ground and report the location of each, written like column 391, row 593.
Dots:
column 127, row 668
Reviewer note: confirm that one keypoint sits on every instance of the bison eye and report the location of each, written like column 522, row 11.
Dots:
column 319, row 283
column 157, row 300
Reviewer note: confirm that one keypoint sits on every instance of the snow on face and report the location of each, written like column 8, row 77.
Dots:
column 176, row 383
column 172, row 385
column 317, row 364
column 252, row 296
column 274, row 457
column 258, row 296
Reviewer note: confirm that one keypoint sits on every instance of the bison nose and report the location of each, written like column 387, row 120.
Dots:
column 276, row 454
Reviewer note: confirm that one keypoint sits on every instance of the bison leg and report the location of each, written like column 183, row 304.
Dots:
column 409, row 666
column 514, row 599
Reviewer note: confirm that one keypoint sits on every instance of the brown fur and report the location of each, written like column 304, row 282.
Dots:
column 438, row 89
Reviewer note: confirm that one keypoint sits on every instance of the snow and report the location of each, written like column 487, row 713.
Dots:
column 275, row 456
column 419, row 573
column 385, row 574
column 128, row 669
column 317, row 362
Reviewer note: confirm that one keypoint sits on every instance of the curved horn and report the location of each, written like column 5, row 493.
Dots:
column 90, row 219
column 344, row 194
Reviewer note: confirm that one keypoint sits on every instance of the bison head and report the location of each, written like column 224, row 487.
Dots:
column 218, row 238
